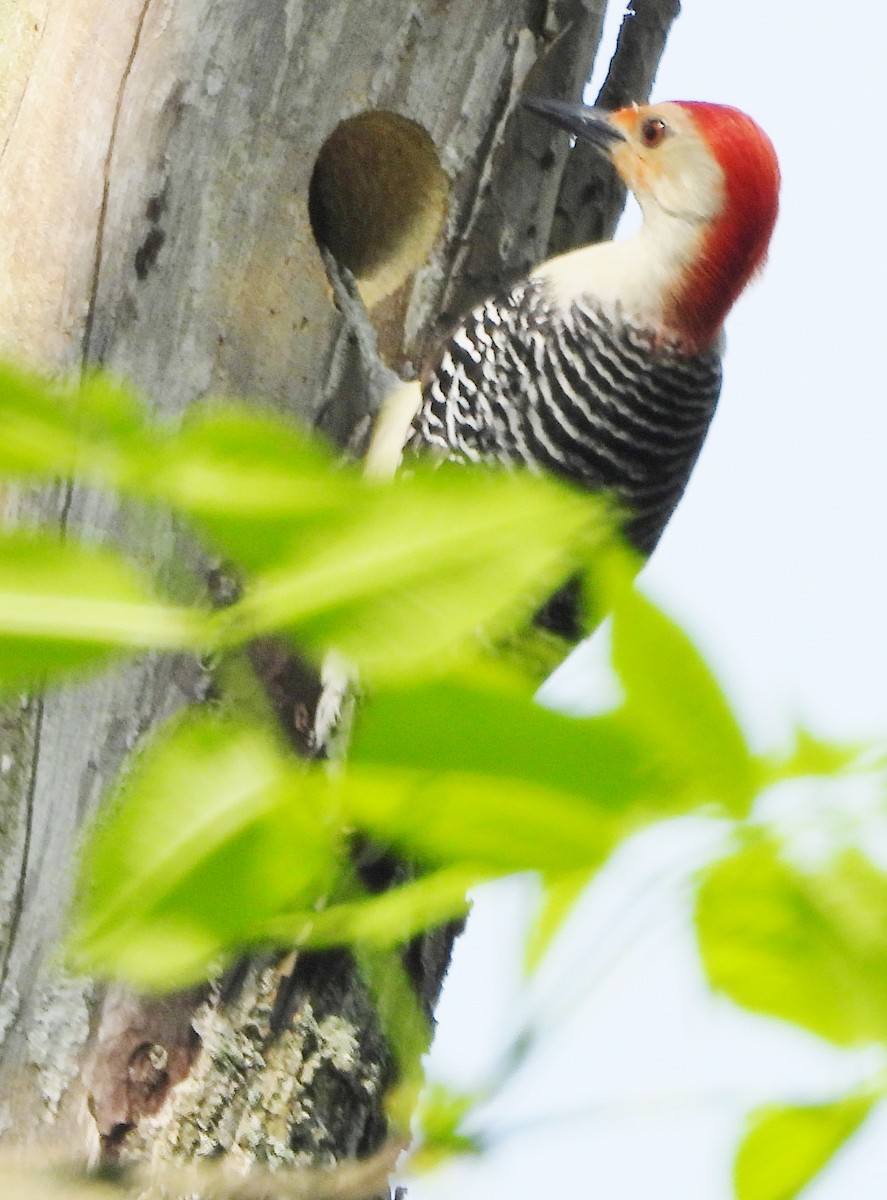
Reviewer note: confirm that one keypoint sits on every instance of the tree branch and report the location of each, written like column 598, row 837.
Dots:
column 592, row 197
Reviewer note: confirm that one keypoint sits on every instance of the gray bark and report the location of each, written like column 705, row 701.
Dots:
column 156, row 163
column 591, row 197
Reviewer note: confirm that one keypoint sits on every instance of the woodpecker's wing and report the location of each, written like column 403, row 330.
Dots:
column 578, row 392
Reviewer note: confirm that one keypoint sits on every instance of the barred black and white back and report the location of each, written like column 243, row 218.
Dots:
column 574, row 391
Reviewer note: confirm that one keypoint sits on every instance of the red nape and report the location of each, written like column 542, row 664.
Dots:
column 736, row 245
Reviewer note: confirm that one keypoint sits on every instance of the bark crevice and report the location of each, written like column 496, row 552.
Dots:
column 106, row 184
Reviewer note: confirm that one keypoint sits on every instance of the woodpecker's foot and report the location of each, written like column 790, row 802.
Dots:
column 332, row 718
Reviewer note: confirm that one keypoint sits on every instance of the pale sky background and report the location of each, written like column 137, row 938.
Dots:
column 774, row 563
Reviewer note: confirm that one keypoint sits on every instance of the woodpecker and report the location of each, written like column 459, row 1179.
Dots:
column 604, row 365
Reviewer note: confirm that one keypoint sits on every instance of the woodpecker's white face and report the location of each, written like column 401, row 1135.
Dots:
column 666, row 163
column 707, row 180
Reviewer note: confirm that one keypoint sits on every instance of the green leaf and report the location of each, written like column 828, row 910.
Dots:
column 232, row 459
column 785, row 1147
column 405, row 1026
column 492, row 729
column 813, row 756
column 412, row 571
column 493, row 825
column 441, row 1113
column 97, row 430
column 673, row 696
column 66, row 607
column 559, row 899
column 807, row 946
column 212, row 834
column 381, row 921
column 492, row 778
column 251, row 481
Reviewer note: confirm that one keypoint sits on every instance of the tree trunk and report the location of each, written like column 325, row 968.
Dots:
column 165, row 172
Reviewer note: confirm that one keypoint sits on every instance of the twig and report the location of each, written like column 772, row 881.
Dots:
column 23, row 1179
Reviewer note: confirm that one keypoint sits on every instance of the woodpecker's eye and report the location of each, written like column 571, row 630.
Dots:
column 653, row 132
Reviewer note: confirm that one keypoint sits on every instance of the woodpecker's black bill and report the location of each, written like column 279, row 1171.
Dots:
column 591, row 124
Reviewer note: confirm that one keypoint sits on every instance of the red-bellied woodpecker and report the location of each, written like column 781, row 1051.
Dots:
column 604, row 365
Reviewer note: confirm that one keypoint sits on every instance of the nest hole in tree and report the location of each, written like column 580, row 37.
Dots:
column 378, row 199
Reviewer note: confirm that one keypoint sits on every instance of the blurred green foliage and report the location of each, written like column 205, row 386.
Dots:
column 416, row 582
